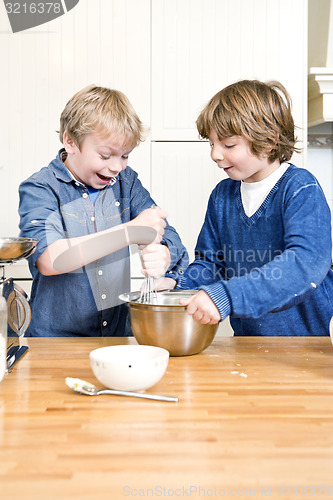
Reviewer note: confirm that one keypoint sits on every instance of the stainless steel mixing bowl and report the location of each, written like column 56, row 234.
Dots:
column 165, row 323
column 13, row 249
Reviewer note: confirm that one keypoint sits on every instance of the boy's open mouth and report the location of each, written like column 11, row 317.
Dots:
column 104, row 178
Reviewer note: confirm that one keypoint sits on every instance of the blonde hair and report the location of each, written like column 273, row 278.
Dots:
column 101, row 110
column 259, row 112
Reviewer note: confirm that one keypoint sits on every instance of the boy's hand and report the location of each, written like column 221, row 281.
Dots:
column 138, row 228
column 156, row 259
column 202, row 308
column 165, row 284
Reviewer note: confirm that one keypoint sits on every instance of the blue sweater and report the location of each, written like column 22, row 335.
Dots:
column 270, row 272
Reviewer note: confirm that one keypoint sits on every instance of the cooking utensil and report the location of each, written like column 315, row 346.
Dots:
column 19, row 313
column 148, row 289
column 13, row 249
column 148, row 293
column 14, row 354
column 89, row 389
column 165, row 323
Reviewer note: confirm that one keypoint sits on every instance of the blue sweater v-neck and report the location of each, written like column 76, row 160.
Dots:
column 270, row 272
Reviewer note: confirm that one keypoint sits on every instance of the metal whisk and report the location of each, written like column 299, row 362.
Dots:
column 148, row 293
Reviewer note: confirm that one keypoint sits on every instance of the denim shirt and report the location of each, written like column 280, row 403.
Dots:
column 85, row 302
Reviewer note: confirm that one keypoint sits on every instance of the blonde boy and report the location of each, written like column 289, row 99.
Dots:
column 84, row 209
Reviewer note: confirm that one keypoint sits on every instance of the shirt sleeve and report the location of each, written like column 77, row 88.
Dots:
column 39, row 215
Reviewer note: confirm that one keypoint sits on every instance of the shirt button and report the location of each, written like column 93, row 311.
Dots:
column 84, row 195
column 100, row 272
column 103, row 296
column 181, row 272
column 105, row 323
column 117, row 203
column 92, row 219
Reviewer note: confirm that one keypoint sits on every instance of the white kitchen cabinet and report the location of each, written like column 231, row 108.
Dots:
column 200, row 46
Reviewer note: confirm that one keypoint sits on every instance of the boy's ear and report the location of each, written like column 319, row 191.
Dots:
column 68, row 143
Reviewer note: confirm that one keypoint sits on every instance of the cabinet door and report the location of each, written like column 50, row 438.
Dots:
column 200, row 46
column 183, row 176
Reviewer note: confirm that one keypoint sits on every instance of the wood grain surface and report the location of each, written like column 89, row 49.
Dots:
column 254, row 420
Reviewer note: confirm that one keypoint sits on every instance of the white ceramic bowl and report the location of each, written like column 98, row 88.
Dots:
column 129, row 367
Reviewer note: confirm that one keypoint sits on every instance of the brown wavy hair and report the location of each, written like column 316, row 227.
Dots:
column 260, row 112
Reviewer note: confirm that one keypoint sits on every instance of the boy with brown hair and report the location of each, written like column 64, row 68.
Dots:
column 263, row 255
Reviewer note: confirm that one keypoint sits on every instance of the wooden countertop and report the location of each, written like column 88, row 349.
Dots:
column 254, row 420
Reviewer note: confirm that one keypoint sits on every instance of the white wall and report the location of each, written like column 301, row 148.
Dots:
column 320, row 157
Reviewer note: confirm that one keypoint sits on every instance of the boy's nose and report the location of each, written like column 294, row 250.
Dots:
column 217, row 155
column 116, row 165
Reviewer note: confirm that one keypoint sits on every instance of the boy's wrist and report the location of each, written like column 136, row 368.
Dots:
column 126, row 235
column 139, row 235
column 220, row 297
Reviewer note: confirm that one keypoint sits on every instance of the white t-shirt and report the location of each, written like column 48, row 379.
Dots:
column 254, row 193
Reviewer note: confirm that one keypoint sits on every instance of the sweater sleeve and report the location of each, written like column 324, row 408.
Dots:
column 292, row 276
